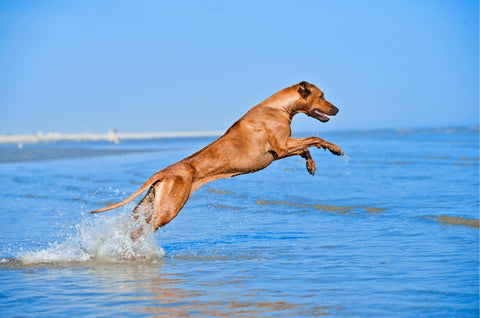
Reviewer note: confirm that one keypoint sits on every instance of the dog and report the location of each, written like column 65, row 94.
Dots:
column 252, row 143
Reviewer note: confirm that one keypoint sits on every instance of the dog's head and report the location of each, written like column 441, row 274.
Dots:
column 313, row 102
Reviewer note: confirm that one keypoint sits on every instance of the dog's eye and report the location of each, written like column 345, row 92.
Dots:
column 322, row 97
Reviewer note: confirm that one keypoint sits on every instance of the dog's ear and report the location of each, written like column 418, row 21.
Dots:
column 304, row 89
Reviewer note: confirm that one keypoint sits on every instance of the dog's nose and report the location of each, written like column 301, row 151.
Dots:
column 333, row 110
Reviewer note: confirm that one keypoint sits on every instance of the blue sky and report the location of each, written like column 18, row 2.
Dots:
column 155, row 66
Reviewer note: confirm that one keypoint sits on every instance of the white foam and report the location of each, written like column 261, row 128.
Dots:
column 103, row 238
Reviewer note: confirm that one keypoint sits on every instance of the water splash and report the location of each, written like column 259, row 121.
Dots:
column 106, row 238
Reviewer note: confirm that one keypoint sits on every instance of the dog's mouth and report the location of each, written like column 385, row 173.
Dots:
column 318, row 114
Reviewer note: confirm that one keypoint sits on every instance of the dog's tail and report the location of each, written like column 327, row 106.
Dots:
column 153, row 179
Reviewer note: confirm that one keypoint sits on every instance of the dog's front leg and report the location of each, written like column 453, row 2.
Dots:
column 305, row 154
column 293, row 145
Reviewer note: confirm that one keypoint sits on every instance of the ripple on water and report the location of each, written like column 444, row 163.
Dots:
column 322, row 207
column 450, row 220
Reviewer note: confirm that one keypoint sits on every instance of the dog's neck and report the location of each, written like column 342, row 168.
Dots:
column 288, row 100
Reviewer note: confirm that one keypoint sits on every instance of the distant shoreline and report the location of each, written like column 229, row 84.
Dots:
column 111, row 136
column 115, row 137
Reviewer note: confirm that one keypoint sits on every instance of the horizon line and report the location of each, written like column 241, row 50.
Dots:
column 113, row 136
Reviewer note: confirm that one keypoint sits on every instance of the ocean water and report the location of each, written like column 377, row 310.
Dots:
column 391, row 229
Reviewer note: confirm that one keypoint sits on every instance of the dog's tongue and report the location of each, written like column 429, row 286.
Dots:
column 324, row 115
column 321, row 114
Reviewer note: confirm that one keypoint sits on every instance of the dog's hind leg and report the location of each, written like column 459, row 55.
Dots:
column 143, row 210
column 144, row 207
column 163, row 202
column 170, row 196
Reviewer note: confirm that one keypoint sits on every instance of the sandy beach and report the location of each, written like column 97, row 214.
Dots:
column 110, row 136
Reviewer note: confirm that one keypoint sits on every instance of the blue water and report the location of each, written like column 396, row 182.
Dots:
column 389, row 230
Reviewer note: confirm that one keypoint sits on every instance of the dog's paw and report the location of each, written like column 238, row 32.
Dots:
column 310, row 166
column 332, row 147
column 335, row 150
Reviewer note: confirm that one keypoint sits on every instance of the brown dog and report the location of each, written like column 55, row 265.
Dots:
column 261, row 136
